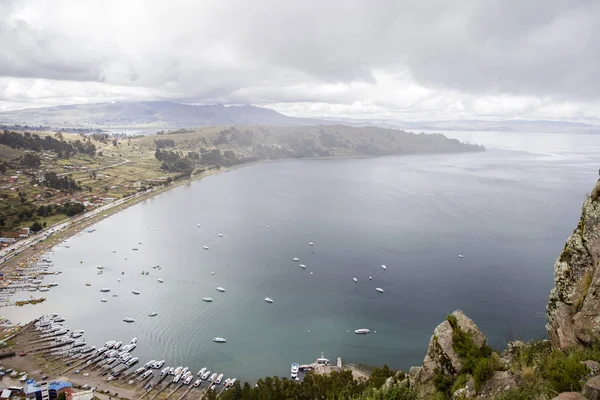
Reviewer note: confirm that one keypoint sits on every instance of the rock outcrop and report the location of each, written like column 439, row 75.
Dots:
column 441, row 356
column 573, row 309
column 591, row 390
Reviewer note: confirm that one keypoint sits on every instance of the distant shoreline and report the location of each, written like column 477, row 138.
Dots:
column 27, row 254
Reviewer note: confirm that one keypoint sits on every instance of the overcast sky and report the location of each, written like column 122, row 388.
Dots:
column 421, row 59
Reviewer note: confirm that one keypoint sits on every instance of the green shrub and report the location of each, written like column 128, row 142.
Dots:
column 483, row 371
column 443, row 383
column 564, row 372
column 460, row 383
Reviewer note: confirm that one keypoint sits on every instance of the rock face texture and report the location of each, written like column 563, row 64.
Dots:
column 573, row 309
column 441, row 355
column 591, row 390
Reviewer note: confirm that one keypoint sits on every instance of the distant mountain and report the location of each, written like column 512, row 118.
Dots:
column 150, row 115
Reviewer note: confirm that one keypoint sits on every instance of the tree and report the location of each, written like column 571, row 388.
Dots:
column 35, row 227
column 31, row 160
column 115, row 142
column 59, row 135
column 3, row 167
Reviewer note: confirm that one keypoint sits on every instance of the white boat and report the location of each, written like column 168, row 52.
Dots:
column 153, row 314
column 165, row 371
column 354, row 279
column 177, row 370
column 383, row 266
column 205, row 247
column 188, row 380
column 226, row 383
column 118, row 279
column 380, row 290
column 171, row 371
column 158, row 364
column 128, row 319
column 149, row 363
column 219, row 379
column 44, row 289
column 177, row 378
column 133, row 341
column 201, row 372
column 232, row 381
column 362, row 331
column 219, row 340
column 212, row 377
column 103, row 300
column 207, row 299
column 104, row 290
column 311, row 273
column 302, row 266
column 160, row 280
column 205, row 375
column 296, row 259
column 135, row 292
column 220, row 289
column 461, row 256
column 370, row 278
column 197, row 383
column 268, row 299
column 220, row 235
column 52, row 284
column 311, row 244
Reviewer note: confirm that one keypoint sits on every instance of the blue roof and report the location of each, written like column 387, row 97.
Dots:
column 33, row 387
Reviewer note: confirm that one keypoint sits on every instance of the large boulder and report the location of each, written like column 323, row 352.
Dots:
column 574, row 305
column 441, row 355
column 570, row 396
column 500, row 382
column 591, row 389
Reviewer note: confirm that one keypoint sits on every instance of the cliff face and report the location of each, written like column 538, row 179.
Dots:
column 573, row 309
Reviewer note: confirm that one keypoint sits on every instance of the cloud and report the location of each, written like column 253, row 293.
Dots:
column 399, row 59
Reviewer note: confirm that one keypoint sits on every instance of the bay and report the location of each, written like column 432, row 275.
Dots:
column 507, row 210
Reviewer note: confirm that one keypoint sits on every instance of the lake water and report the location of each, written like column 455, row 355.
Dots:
column 507, row 210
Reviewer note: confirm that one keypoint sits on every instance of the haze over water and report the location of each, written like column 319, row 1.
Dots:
column 507, row 210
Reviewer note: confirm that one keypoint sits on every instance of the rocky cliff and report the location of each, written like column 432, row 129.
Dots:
column 573, row 309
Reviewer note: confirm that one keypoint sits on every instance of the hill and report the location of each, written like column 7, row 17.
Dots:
column 150, row 115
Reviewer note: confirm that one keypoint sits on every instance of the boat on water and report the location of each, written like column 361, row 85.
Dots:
column 188, row 380
column 117, row 345
column 232, row 381
column 202, row 371
column 362, row 331
column 52, row 284
column 220, row 289
column 220, row 235
column 311, row 244
column 158, row 364
column 197, row 383
column 370, row 278
column 128, row 319
column 268, row 299
column 219, row 379
column 160, row 280
column 205, row 375
column 207, row 299
column 380, row 290
column 177, row 370
column 296, row 259
column 149, row 363
column 198, row 225
column 302, row 266
column 177, row 378
column 165, row 371
column 383, row 266
column 294, row 370
column 205, row 247
column 171, row 371
column 153, row 314
column 99, row 267
column 44, row 289
column 219, row 340
column 134, row 249
column 104, row 290
column 212, row 377
column 133, row 341
column 354, row 279
column 461, row 256
column 312, row 273
column 135, row 292
column 103, row 300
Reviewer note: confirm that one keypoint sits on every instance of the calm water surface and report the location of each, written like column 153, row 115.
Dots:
column 508, row 211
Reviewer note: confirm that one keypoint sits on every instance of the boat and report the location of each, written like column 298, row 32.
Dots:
column 296, row 259
column 149, row 363
column 52, row 284
column 99, row 267
column 198, row 225
column 205, row 375
column 220, row 235
column 354, row 279
column 133, row 341
column 294, row 370
column 165, row 371
column 219, row 340
column 220, row 289
column 177, row 378
column 128, row 319
column 117, row 345
column 268, row 299
column 132, row 361
column 171, row 371
column 362, row 331
column 370, row 278
column 177, row 370
column 212, row 377
column 197, row 383
column 87, row 284
column 207, row 299
column 219, row 379
column 311, row 273
column 380, row 290
column 202, row 371
column 205, row 247
column 44, row 289
column 232, row 381
column 226, row 383
column 160, row 280
column 311, row 244
column 104, row 290
column 134, row 249
column 158, row 364
column 188, row 380
column 383, row 266
column 103, row 300
column 135, row 292
column 153, row 314
column 302, row 266
column 461, row 256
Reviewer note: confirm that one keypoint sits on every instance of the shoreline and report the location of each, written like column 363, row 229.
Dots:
column 80, row 222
